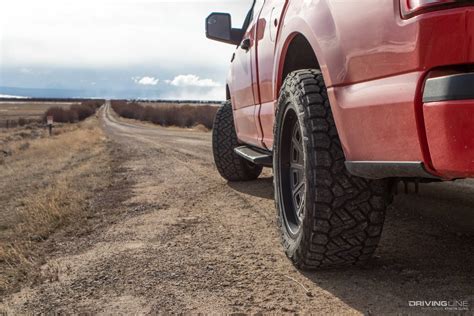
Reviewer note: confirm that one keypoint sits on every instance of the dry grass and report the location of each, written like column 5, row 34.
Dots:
column 21, row 113
column 168, row 114
column 28, row 109
column 47, row 185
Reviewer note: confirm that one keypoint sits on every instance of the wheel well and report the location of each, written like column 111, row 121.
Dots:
column 300, row 55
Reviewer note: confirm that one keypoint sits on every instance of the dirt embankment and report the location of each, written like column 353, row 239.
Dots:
column 180, row 239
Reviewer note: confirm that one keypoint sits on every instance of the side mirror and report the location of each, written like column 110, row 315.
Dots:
column 219, row 28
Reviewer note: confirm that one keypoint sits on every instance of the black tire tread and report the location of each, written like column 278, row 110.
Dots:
column 231, row 166
column 345, row 223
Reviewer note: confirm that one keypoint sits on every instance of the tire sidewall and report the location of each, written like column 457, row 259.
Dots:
column 291, row 242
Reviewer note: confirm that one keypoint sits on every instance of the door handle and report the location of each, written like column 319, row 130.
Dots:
column 246, row 44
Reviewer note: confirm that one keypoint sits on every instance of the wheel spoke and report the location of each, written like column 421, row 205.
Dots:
column 299, row 201
column 300, row 210
column 297, row 173
column 296, row 176
column 296, row 166
column 298, row 188
column 297, row 146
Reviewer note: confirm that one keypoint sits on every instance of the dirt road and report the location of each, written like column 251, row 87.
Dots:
column 187, row 241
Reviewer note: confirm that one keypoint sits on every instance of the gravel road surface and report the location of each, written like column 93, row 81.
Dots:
column 187, row 241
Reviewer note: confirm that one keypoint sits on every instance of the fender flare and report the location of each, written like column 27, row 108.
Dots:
column 323, row 30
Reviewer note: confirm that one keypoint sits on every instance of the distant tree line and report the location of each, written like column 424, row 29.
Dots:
column 75, row 113
column 167, row 113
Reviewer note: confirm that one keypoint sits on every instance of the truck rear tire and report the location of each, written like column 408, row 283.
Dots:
column 231, row 166
column 327, row 217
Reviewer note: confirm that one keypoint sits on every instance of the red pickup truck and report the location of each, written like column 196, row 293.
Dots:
column 342, row 98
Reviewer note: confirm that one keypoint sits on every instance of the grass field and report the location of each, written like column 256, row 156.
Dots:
column 13, row 110
column 20, row 113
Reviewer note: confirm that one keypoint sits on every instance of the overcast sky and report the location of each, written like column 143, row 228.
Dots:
column 154, row 48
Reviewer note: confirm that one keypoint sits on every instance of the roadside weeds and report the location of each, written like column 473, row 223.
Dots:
column 49, row 184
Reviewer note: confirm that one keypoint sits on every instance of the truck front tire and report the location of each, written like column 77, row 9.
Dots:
column 231, row 166
column 327, row 217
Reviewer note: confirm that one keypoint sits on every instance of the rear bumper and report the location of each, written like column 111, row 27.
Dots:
column 449, row 88
column 447, row 103
column 448, row 110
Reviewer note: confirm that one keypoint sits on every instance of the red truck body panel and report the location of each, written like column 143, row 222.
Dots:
column 450, row 134
column 375, row 64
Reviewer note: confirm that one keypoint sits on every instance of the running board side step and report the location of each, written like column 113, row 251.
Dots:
column 257, row 156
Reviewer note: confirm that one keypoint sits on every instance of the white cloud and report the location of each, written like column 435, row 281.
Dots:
column 127, row 37
column 193, row 81
column 113, row 33
column 195, row 88
column 194, row 93
column 146, row 81
column 11, row 96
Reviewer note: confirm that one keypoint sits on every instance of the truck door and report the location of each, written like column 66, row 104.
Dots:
column 267, row 30
column 244, row 89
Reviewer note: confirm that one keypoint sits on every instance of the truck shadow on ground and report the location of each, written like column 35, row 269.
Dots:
column 262, row 187
column 426, row 252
